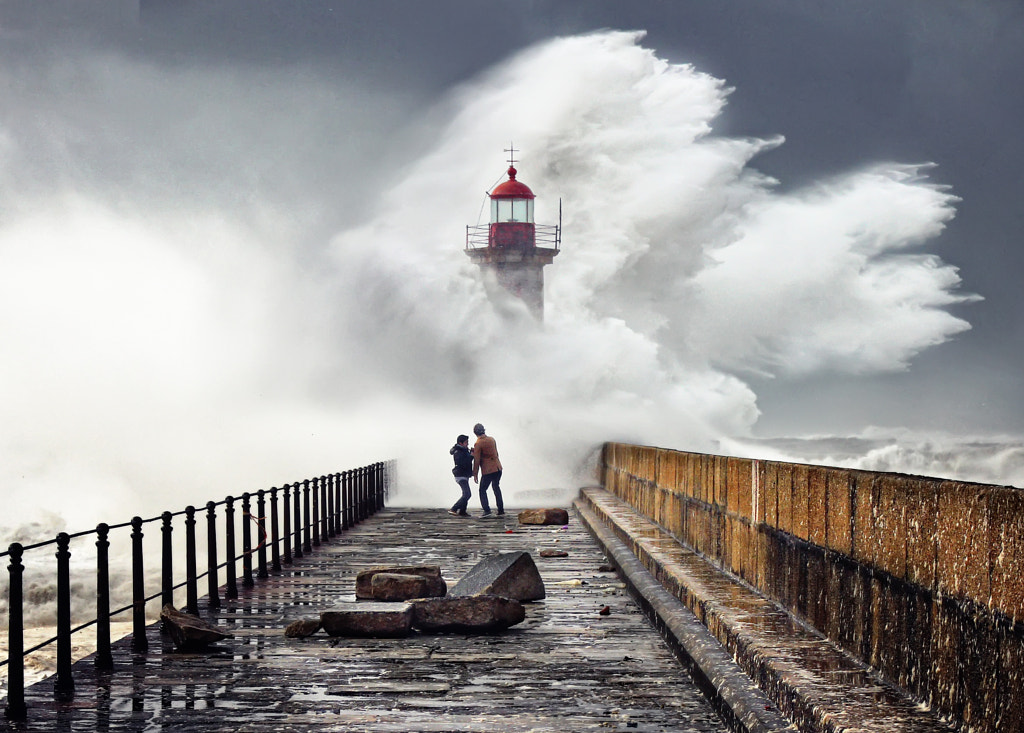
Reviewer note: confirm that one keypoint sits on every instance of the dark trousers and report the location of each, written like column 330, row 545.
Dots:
column 461, row 504
column 491, row 480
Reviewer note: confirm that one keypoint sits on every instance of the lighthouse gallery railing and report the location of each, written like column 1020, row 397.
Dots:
column 546, row 235
column 314, row 510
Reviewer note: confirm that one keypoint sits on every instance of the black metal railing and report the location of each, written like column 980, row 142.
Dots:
column 314, row 510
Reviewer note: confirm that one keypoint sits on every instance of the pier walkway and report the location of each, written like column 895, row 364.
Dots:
column 568, row 667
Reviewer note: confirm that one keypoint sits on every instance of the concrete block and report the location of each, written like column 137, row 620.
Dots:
column 721, row 479
column 838, row 602
column 665, row 473
column 375, row 620
column 435, row 583
column 839, row 502
column 801, row 492
column 860, row 584
column 920, row 672
column 922, row 548
column 743, row 480
column 979, row 669
column 558, row 517
column 962, row 567
column 891, row 524
column 815, row 585
column 467, row 614
column 770, row 493
column 864, row 501
column 759, row 506
column 784, row 487
column 189, row 632
column 817, row 505
column 946, row 692
column 397, row 587
column 1011, row 661
column 1006, row 538
column 510, row 575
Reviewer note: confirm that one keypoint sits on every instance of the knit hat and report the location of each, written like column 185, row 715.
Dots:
column 478, row 429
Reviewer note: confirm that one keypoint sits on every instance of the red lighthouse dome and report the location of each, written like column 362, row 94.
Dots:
column 512, row 189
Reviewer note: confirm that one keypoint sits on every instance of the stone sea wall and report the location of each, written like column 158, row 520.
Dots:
column 922, row 578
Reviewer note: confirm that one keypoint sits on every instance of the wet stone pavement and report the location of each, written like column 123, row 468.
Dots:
column 565, row 668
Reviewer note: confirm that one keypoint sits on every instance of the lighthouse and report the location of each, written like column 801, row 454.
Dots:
column 512, row 246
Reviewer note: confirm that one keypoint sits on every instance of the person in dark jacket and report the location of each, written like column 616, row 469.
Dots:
column 463, row 471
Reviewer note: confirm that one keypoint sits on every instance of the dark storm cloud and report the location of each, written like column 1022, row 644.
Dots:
column 847, row 84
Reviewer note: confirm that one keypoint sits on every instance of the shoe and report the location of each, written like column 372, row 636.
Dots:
column 486, row 514
column 465, row 514
column 453, row 512
column 501, row 512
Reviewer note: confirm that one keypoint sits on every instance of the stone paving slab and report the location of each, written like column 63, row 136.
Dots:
column 815, row 683
column 565, row 668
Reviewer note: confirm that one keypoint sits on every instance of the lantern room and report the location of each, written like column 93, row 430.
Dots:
column 512, row 201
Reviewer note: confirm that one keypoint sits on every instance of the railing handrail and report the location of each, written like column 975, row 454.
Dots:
column 339, row 501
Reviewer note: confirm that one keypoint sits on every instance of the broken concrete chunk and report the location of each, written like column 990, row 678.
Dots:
column 467, row 614
column 190, row 632
column 510, row 575
column 380, row 620
column 435, row 583
column 544, row 516
column 398, row 587
column 302, row 628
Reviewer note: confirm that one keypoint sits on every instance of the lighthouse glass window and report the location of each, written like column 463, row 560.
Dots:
column 503, row 210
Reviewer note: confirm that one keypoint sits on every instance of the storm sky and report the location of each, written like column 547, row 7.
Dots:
column 265, row 169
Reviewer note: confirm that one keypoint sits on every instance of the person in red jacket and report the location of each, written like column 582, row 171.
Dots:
column 485, row 461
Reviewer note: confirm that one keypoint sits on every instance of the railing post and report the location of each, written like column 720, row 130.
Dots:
column 229, row 547
column 15, row 709
column 298, row 522
column 366, row 492
column 64, row 689
column 307, row 546
column 356, row 492
column 191, row 581
column 287, row 505
column 261, row 519
column 212, row 585
column 167, row 576
column 346, row 502
column 363, row 508
column 353, row 515
column 375, row 484
column 355, row 497
column 275, row 537
column 337, row 503
column 324, row 509
column 103, row 659
column 246, row 541
column 315, row 517
column 332, row 529
column 139, row 641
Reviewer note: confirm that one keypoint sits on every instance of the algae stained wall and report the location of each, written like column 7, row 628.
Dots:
column 922, row 578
